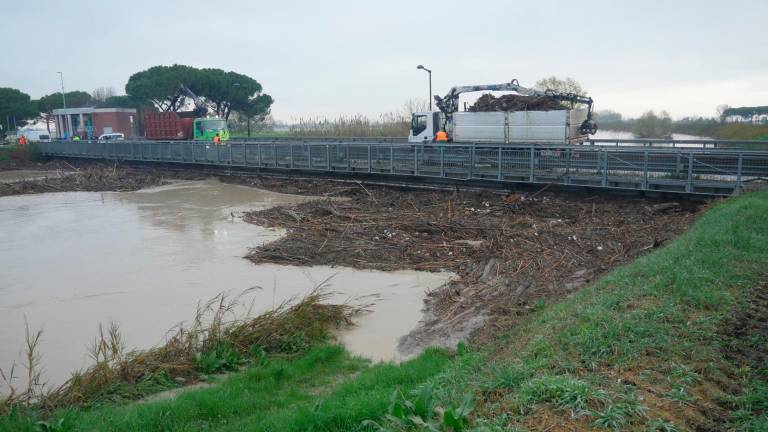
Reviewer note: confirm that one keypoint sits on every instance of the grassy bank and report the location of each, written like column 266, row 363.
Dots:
column 648, row 347
column 326, row 389
column 675, row 340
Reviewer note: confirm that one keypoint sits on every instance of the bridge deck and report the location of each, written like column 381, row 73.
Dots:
column 684, row 170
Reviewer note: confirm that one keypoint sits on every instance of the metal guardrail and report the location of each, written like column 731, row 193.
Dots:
column 286, row 138
column 693, row 171
column 714, row 144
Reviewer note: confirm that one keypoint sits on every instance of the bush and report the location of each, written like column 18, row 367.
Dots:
column 650, row 125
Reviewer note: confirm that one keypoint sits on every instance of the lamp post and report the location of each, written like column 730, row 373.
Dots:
column 63, row 121
column 63, row 97
column 430, row 84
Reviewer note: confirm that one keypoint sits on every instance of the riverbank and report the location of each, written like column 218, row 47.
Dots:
column 512, row 253
column 675, row 340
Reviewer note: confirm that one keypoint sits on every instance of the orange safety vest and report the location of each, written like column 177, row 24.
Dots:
column 441, row 137
column 23, row 140
column 216, row 139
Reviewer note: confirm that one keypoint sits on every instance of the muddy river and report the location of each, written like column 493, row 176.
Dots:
column 69, row 261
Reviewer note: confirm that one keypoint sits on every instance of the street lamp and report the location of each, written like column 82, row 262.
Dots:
column 63, row 98
column 430, row 84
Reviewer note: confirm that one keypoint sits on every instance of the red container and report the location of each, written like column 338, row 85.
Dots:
column 167, row 126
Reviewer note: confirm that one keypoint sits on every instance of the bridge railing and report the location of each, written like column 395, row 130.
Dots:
column 673, row 143
column 702, row 171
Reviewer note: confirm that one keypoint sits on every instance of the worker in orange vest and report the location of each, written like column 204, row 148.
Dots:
column 441, row 136
column 216, row 139
column 23, row 140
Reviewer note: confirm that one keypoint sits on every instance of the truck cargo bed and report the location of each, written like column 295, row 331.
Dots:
column 559, row 126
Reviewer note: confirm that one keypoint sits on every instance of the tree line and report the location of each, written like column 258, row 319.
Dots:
column 155, row 89
column 660, row 125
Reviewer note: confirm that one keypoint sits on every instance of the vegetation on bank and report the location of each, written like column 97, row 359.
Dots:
column 673, row 341
column 215, row 341
column 648, row 347
column 20, row 154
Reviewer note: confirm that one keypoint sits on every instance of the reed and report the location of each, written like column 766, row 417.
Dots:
column 218, row 338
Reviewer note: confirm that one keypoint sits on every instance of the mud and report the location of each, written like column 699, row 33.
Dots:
column 509, row 251
column 85, row 177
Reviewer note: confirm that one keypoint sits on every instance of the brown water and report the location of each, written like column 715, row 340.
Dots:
column 69, row 261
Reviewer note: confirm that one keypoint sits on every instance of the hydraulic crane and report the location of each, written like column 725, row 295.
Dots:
column 449, row 103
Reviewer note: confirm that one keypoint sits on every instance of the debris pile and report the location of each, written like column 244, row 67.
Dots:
column 512, row 102
column 508, row 252
column 96, row 178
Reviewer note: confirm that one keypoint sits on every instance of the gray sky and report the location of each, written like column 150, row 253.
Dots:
column 345, row 57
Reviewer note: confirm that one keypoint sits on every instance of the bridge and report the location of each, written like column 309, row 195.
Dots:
column 699, row 167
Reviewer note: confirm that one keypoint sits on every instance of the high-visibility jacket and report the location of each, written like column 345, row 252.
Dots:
column 216, row 139
column 441, row 137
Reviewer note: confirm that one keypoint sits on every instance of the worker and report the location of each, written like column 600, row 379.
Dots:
column 441, row 136
column 216, row 139
column 22, row 140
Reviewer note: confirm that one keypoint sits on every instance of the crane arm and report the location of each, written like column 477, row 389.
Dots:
column 201, row 109
column 449, row 104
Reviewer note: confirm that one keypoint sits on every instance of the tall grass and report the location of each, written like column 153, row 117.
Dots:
column 325, row 389
column 217, row 339
column 387, row 125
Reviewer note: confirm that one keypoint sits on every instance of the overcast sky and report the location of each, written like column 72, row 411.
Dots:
column 345, row 57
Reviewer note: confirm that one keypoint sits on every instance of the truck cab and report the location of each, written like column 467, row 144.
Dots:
column 204, row 129
column 424, row 126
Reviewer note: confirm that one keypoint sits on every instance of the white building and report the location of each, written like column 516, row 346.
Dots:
column 753, row 115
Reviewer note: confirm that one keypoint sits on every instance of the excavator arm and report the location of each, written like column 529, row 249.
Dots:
column 449, row 103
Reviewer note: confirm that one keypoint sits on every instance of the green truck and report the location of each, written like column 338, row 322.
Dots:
column 185, row 125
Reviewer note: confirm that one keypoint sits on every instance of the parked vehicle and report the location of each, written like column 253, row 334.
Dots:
column 32, row 135
column 112, row 136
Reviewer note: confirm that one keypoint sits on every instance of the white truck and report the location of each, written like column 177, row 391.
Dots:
column 568, row 125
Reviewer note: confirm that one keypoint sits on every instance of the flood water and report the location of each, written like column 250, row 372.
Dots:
column 612, row 134
column 69, row 261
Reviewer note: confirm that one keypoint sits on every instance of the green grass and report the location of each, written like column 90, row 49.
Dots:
column 326, row 389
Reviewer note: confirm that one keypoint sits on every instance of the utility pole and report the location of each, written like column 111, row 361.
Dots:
column 430, row 84
column 63, row 97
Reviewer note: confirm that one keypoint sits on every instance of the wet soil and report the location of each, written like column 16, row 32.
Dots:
column 509, row 251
